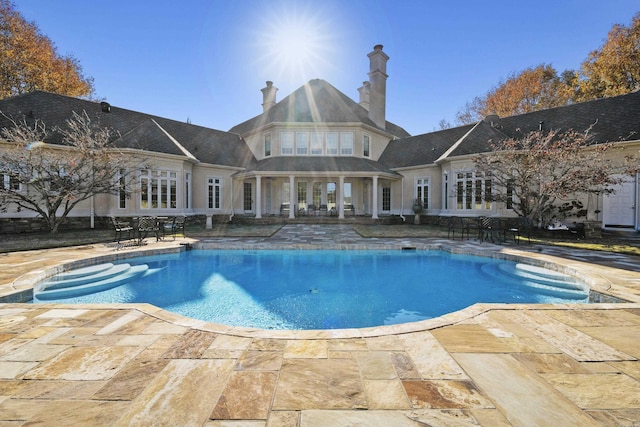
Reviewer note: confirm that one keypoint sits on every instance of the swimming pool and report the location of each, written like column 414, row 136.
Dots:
column 293, row 289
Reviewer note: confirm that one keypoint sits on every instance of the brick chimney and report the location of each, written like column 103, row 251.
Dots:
column 364, row 95
column 378, row 86
column 268, row 96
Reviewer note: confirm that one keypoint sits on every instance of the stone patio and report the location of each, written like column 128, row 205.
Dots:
column 489, row 365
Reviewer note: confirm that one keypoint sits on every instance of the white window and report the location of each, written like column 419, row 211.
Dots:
column 214, row 193
column 267, row 145
column 11, row 183
column 386, row 198
column 122, row 189
column 286, row 140
column 332, row 143
column 445, row 190
column 422, row 192
column 316, row 143
column 346, row 143
column 187, row 190
column 302, row 143
column 473, row 191
column 366, row 149
column 158, row 189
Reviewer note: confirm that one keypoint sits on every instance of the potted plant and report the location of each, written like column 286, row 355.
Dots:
column 417, row 210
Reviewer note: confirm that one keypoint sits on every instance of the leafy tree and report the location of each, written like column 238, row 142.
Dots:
column 30, row 61
column 51, row 179
column 614, row 68
column 529, row 90
column 541, row 173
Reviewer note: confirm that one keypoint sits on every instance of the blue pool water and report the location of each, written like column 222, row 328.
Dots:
column 327, row 289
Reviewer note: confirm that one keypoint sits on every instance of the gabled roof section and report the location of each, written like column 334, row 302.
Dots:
column 614, row 119
column 320, row 164
column 134, row 129
column 421, row 149
column 315, row 102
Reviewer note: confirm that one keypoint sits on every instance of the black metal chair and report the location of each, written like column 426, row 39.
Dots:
column 176, row 225
column 121, row 227
column 147, row 225
column 519, row 228
column 491, row 229
column 454, row 224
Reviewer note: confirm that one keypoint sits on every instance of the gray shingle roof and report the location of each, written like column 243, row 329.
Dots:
column 610, row 119
column 136, row 130
column 315, row 102
column 423, row 149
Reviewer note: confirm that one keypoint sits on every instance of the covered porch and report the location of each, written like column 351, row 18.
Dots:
column 335, row 192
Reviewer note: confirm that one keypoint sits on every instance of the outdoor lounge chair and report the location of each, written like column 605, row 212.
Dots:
column 121, row 227
column 323, row 210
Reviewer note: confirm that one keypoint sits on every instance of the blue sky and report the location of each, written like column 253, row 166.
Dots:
column 206, row 61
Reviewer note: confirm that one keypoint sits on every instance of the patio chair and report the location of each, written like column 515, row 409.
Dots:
column 323, row 210
column 284, row 209
column 312, row 209
column 518, row 228
column 491, row 229
column 349, row 208
column 147, row 225
column 121, row 227
column 456, row 224
column 176, row 225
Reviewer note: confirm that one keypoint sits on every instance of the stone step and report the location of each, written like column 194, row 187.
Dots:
column 84, row 277
column 131, row 274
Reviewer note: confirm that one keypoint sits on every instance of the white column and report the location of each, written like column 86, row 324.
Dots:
column 292, row 197
column 374, row 201
column 258, row 196
column 340, row 197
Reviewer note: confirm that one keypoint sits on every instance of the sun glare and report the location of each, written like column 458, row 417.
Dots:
column 295, row 45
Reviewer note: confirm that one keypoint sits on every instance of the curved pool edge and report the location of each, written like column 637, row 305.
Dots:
column 597, row 277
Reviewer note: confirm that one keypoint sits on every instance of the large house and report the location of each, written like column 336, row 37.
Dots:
column 317, row 151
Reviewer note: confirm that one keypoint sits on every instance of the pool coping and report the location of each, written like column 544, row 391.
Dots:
column 600, row 279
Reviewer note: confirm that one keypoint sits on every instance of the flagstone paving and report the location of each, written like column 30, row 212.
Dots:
column 488, row 365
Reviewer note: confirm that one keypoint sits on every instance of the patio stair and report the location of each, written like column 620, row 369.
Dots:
column 88, row 280
column 545, row 281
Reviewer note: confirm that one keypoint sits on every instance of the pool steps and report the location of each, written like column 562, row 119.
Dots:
column 89, row 280
column 545, row 281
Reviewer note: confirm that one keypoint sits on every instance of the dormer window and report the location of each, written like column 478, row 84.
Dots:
column 267, row 145
column 332, row 143
column 302, row 143
column 346, row 143
column 366, row 146
column 286, row 140
column 316, row 144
